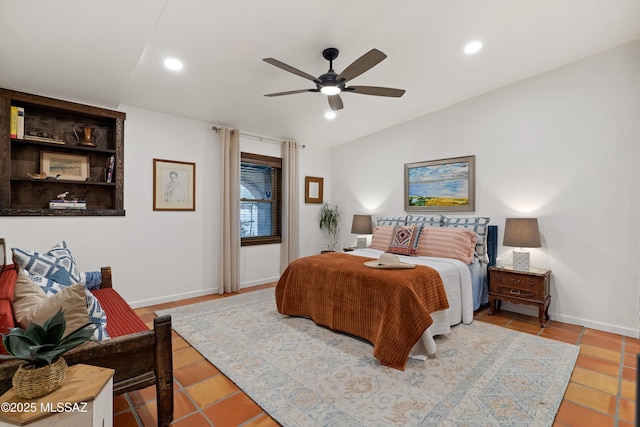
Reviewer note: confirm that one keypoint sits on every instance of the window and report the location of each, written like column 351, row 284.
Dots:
column 260, row 199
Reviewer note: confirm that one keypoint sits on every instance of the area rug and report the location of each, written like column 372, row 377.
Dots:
column 304, row 375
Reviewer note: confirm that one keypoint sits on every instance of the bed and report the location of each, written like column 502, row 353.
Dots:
column 344, row 306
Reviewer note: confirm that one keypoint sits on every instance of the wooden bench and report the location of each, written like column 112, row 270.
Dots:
column 140, row 359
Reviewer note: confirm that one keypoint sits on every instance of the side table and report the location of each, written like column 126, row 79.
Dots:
column 84, row 399
column 520, row 287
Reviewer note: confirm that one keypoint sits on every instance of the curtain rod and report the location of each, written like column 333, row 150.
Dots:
column 217, row 129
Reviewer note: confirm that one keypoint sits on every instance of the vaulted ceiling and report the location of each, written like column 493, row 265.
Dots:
column 111, row 53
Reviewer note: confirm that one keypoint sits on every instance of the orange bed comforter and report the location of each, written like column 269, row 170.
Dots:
column 389, row 308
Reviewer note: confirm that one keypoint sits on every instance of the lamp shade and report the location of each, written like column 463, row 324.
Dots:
column 522, row 233
column 361, row 224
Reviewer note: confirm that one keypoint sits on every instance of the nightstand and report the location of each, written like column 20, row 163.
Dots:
column 352, row 248
column 520, row 287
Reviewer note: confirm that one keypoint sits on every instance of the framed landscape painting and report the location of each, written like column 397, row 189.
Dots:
column 440, row 185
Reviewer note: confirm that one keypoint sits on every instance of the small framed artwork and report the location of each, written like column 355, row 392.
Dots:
column 440, row 185
column 313, row 189
column 174, row 185
column 72, row 167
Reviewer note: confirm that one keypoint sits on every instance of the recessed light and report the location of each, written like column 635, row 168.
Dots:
column 173, row 64
column 330, row 115
column 473, row 47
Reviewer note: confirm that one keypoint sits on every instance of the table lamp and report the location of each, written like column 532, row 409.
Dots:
column 522, row 233
column 361, row 225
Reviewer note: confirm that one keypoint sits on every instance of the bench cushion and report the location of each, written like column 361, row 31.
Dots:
column 8, row 277
column 122, row 319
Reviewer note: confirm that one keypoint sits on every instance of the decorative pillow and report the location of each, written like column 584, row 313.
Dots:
column 425, row 221
column 95, row 312
column 49, row 263
column 404, row 240
column 478, row 225
column 391, row 220
column 31, row 304
column 445, row 242
column 381, row 238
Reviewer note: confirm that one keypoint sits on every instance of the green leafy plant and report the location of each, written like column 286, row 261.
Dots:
column 329, row 222
column 41, row 345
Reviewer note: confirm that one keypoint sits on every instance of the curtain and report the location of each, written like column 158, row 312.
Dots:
column 229, row 274
column 290, row 246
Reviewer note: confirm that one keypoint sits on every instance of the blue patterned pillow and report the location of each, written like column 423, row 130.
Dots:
column 426, row 221
column 48, row 263
column 96, row 313
column 479, row 225
column 391, row 220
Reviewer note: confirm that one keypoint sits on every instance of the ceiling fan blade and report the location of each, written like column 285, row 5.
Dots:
column 290, row 69
column 335, row 102
column 377, row 91
column 362, row 64
column 291, row 92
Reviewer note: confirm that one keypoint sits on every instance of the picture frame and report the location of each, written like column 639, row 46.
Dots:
column 174, row 185
column 70, row 167
column 440, row 185
column 313, row 189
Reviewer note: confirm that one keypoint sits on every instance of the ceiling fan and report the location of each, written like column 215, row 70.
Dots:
column 332, row 83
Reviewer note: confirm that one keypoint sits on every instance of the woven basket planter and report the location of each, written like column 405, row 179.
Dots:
column 29, row 382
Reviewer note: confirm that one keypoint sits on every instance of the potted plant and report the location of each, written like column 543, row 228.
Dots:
column 329, row 222
column 41, row 346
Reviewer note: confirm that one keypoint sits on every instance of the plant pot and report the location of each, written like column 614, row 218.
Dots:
column 29, row 382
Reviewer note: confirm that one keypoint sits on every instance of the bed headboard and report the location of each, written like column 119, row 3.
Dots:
column 492, row 244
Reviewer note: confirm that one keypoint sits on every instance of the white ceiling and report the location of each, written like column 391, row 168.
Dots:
column 109, row 53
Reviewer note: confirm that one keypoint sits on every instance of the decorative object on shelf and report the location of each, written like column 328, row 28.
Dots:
column 72, row 167
column 522, row 233
column 87, row 133
column 329, row 223
column 41, row 175
column 174, row 185
column 313, row 189
column 440, row 185
column 361, row 225
column 41, row 347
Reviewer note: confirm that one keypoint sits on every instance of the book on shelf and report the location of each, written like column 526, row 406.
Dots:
column 20, row 123
column 13, row 122
column 110, row 167
column 67, row 207
column 42, row 139
column 67, row 204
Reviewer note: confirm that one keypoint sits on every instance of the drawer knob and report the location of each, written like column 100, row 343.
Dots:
column 515, row 281
column 514, row 291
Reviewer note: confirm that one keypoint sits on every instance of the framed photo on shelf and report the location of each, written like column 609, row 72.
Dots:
column 440, row 185
column 174, row 185
column 72, row 167
column 313, row 189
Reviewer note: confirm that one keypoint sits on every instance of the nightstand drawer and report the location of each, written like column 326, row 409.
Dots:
column 518, row 285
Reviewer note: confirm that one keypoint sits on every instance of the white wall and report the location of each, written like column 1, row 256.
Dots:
column 155, row 256
column 562, row 147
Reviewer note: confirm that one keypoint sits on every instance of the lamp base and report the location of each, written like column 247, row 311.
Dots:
column 521, row 259
column 362, row 242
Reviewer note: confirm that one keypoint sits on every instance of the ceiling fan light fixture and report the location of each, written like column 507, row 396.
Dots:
column 330, row 90
column 330, row 115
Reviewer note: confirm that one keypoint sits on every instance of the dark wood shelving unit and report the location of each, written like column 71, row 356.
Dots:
column 22, row 195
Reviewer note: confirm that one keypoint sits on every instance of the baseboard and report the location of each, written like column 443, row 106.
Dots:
column 194, row 294
column 606, row 327
column 171, row 298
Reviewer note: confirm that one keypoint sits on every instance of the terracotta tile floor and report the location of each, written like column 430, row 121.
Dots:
column 601, row 392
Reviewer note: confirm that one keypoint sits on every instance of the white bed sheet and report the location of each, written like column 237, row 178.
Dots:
column 457, row 282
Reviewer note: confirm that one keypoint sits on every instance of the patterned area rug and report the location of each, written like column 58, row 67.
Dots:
column 304, row 375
